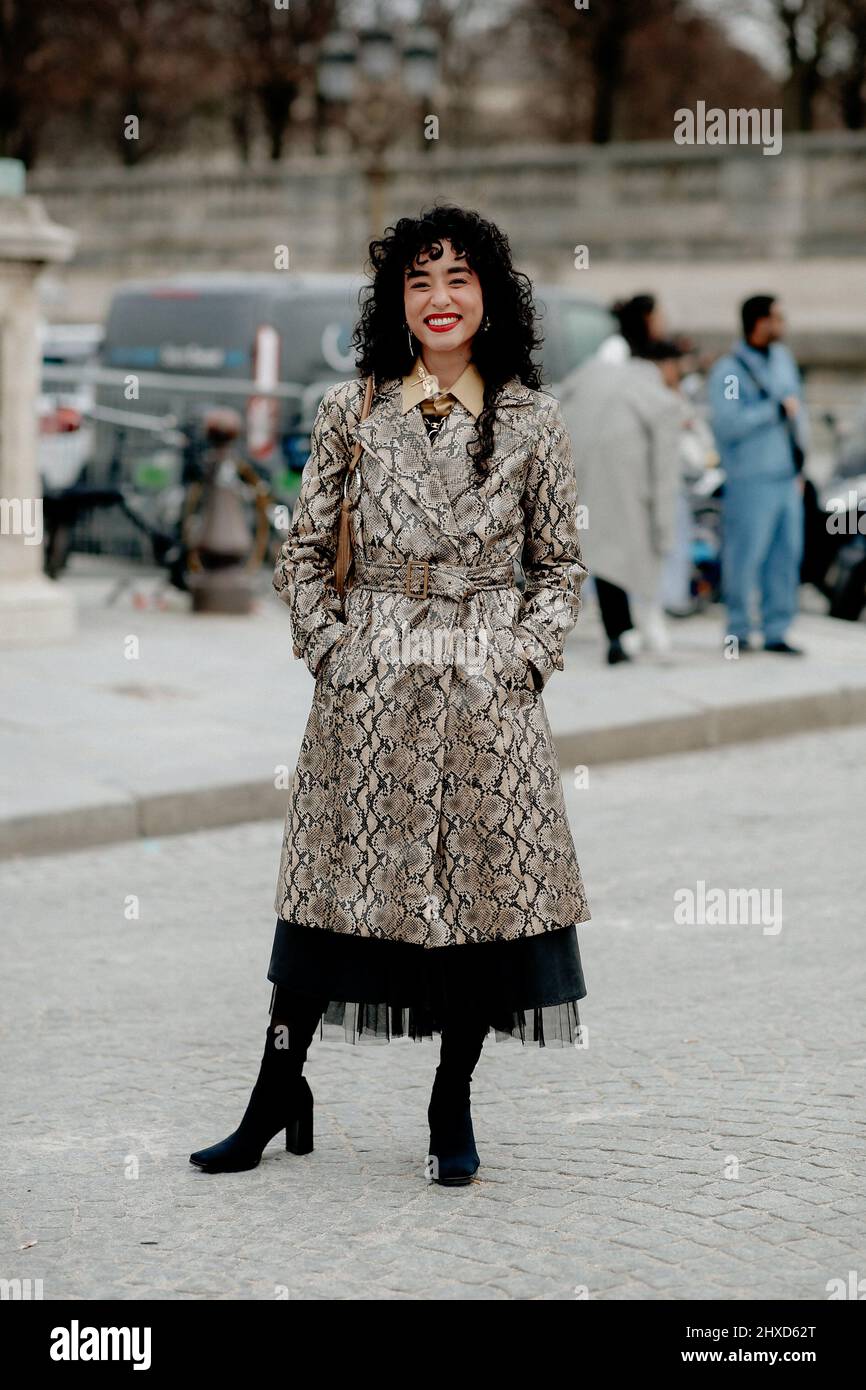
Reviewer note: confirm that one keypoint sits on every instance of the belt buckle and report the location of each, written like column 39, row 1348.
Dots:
column 407, row 586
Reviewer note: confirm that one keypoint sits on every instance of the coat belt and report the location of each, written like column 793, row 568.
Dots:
column 420, row 578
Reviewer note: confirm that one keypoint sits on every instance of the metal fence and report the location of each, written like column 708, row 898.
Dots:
column 149, row 453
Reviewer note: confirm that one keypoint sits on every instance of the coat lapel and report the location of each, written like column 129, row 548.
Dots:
column 400, row 444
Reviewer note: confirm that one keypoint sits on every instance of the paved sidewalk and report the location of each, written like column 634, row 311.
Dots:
column 192, row 732
column 707, row 1144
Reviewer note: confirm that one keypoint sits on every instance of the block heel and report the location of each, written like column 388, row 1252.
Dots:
column 299, row 1130
column 452, row 1158
column 265, row 1117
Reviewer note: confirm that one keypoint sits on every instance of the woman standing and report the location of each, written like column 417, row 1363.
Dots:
column 428, row 882
column 625, row 426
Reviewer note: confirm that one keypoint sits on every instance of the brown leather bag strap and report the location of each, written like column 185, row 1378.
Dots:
column 365, row 411
column 344, row 558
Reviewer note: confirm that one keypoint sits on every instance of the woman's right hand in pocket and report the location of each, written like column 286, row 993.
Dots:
column 326, row 665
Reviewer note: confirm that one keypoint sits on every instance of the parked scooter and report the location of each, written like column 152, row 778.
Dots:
column 705, row 498
column 834, row 551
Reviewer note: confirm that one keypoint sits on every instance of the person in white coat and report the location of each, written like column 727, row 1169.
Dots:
column 625, row 425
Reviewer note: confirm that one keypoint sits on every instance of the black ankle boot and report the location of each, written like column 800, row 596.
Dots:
column 616, row 653
column 452, row 1159
column 281, row 1099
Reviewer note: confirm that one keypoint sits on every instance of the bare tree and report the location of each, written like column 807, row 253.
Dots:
column 671, row 66
column 852, row 77
column 26, row 63
column 806, row 27
column 271, row 54
column 166, row 63
column 132, row 73
column 593, row 46
column 824, row 46
column 462, row 53
column 620, row 71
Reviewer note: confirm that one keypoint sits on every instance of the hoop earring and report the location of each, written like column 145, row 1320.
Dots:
column 409, row 336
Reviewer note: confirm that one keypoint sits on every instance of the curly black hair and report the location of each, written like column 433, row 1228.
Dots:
column 500, row 352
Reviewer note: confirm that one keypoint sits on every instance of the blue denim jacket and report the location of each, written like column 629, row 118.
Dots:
column 752, row 437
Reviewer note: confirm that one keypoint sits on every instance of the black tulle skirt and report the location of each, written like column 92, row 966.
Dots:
column 378, row 990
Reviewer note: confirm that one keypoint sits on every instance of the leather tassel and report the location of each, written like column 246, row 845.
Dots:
column 344, row 558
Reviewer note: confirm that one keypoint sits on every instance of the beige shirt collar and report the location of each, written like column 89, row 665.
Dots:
column 468, row 389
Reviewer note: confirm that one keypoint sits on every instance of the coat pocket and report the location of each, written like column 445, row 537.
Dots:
column 330, row 661
column 515, row 672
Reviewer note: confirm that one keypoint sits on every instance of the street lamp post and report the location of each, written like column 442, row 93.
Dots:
column 371, row 77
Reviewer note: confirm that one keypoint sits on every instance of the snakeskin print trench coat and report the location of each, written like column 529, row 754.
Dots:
column 426, row 804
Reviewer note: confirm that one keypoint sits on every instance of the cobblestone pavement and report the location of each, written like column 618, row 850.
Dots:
column 707, row 1143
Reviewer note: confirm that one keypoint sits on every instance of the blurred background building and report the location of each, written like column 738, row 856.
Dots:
column 198, row 135
column 185, row 144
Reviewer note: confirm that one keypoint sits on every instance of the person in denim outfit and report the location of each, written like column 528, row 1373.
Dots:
column 758, row 418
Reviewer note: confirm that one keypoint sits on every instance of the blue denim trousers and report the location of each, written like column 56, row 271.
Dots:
column 762, row 548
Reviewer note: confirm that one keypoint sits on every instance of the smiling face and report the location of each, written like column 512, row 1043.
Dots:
column 443, row 301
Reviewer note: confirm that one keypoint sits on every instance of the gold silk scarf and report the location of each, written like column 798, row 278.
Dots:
column 436, row 404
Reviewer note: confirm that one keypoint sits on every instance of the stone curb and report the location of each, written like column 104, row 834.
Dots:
column 205, row 808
